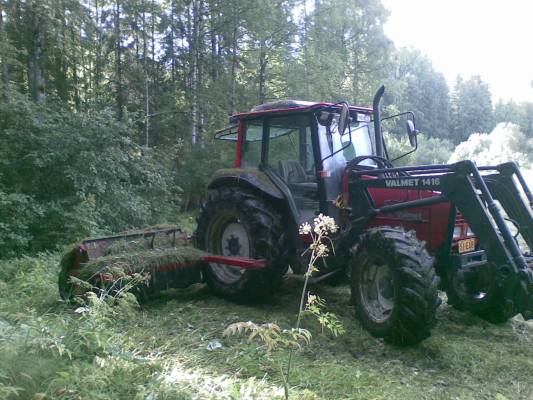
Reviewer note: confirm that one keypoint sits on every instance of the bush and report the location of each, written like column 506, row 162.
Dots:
column 52, row 350
column 430, row 150
column 505, row 143
column 196, row 167
column 67, row 175
column 18, row 214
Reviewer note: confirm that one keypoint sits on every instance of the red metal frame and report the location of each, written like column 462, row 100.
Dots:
column 240, row 141
column 244, row 263
column 252, row 114
column 432, row 225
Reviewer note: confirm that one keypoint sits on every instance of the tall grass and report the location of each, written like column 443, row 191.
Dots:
column 158, row 350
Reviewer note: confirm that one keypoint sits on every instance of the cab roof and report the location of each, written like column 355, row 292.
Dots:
column 287, row 106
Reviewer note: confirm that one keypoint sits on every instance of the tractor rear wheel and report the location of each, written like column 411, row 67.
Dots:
column 394, row 286
column 237, row 223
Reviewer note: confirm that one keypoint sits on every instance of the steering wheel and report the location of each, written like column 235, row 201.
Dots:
column 380, row 161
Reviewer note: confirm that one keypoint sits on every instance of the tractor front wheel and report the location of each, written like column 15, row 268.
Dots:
column 477, row 293
column 237, row 223
column 394, row 286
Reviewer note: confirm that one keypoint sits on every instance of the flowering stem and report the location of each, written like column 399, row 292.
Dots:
column 300, row 310
column 322, row 225
column 285, row 383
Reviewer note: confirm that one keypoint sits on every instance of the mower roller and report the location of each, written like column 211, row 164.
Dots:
column 405, row 232
column 161, row 258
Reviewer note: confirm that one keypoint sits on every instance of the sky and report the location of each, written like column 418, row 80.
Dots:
column 490, row 38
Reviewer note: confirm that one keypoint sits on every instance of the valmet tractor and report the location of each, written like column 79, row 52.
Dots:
column 402, row 230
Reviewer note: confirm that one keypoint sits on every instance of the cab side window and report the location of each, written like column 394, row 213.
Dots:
column 253, row 139
column 290, row 154
column 290, row 150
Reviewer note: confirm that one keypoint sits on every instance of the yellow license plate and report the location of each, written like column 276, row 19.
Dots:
column 467, row 245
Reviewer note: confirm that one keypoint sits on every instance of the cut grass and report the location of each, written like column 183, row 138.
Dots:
column 465, row 358
column 160, row 350
column 140, row 261
column 138, row 255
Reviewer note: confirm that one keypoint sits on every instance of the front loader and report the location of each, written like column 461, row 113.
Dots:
column 403, row 230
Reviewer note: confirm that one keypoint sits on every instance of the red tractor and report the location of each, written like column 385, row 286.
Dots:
column 402, row 230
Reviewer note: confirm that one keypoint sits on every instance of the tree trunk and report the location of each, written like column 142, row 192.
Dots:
column 61, row 78
column 355, row 77
column 152, row 28
column 98, row 55
column 196, row 72
column 35, row 56
column 146, row 83
column 214, row 45
column 118, row 63
column 233, row 100
column 75, row 78
column 305, row 42
column 173, row 12
column 263, row 61
column 3, row 57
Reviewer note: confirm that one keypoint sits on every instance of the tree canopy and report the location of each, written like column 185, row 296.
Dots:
column 108, row 107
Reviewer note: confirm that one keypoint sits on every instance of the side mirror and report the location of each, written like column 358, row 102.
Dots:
column 344, row 118
column 412, row 132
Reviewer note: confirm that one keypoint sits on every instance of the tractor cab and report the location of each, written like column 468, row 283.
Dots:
column 303, row 149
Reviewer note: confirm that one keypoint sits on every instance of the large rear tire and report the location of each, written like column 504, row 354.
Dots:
column 394, row 286
column 237, row 223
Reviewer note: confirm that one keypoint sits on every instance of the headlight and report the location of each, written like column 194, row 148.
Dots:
column 469, row 232
column 456, row 232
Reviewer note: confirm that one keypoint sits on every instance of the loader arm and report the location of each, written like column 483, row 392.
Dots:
column 474, row 196
column 503, row 188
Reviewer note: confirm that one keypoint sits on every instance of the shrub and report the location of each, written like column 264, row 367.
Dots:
column 66, row 175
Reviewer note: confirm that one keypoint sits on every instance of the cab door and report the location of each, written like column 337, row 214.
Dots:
column 290, row 156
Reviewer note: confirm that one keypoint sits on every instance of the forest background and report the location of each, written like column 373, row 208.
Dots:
column 108, row 108
column 107, row 114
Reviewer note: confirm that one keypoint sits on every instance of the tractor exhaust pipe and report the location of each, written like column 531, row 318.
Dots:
column 377, row 122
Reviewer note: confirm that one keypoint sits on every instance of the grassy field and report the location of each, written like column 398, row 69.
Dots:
column 53, row 350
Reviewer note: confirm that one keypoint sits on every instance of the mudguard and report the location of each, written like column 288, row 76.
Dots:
column 265, row 182
column 252, row 178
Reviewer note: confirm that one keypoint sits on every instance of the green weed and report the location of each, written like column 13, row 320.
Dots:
column 159, row 350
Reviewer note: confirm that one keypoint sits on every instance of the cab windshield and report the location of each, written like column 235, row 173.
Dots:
column 337, row 150
column 357, row 141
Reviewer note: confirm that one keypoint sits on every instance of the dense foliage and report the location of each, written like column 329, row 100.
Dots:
column 108, row 107
column 67, row 175
column 505, row 143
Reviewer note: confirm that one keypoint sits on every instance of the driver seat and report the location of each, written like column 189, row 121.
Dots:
column 292, row 172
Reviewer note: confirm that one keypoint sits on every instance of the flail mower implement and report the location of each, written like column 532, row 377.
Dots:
column 158, row 258
column 403, row 231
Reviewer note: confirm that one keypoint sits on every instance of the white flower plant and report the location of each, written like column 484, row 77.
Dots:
column 271, row 334
column 320, row 247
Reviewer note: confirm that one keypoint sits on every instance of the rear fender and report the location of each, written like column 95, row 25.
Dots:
column 250, row 178
column 262, row 184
